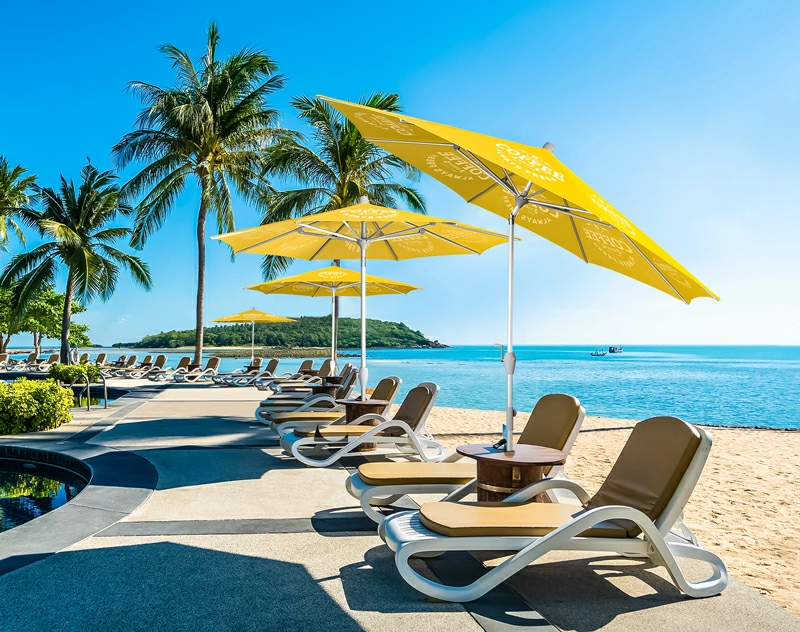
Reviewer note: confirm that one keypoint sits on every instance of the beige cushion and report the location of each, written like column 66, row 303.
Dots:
column 306, row 415
column 506, row 519
column 418, row 473
column 649, row 468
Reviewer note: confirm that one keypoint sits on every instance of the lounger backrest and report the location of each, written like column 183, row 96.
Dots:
column 148, row 359
column 306, row 365
column 161, row 360
column 83, row 359
column 387, row 390
column 120, row 359
column 54, row 357
column 325, row 369
column 131, row 361
column 32, row 357
column 183, row 362
column 213, row 364
column 649, row 469
column 100, row 359
column 3, row 357
column 347, row 385
column 416, row 406
column 272, row 366
column 554, row 423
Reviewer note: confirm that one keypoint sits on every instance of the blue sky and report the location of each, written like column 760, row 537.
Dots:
column 684, row 115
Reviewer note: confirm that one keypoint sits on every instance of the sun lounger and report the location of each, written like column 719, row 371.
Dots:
column 44, row 365
column 554, row 423
column 250, row 378
column 254, row 368
column 310, row 418
column 193, row 376
column 84, row 358
column 298, row 379
column 308, row 400
column 100, row 359
column 143, row 372
column 405, row 431
column 164, row 374
column 128, row 364
column 632, row 514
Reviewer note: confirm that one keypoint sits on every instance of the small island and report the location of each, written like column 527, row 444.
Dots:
column 306, row 332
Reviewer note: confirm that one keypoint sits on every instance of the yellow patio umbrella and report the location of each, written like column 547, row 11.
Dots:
column 253, row 316
column 360, row 231
column 529, row 186
column 335, row 281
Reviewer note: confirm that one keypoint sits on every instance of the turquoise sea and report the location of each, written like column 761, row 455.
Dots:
column 735, row 386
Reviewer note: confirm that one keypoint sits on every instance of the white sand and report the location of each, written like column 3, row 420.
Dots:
column 744, row 508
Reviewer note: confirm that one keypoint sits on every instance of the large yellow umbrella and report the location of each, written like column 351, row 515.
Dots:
column 335, row 281
column 361, row 231
column 253, row 316
column 529, row 186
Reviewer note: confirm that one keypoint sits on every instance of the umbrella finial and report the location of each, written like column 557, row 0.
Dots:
column 364, row 199
column 549, row 147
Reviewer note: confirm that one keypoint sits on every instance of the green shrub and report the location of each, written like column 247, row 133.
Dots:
column 30, row 406
column 69, row 373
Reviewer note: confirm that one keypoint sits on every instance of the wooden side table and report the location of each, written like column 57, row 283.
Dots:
column 324, row 389
column 501, row 473
column 354, row 408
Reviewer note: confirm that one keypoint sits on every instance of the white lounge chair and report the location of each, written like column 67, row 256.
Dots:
column 44, row 365
column 100, row 360
column 143, row 372
column 254, row 368
column 636, row 512
column 193, row 376
column 297, row 380
column 405, row 431
column 308, row 419
column 166, row 373
column 112, row 371
column 296, row 400
column 555, row 423
column 251, row 379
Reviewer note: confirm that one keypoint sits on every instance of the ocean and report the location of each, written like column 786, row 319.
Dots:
column 731, row 386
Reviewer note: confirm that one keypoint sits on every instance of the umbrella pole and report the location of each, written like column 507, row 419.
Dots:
column 510, row 358
column 252, row 342
column 363, row 372
column 333, row 330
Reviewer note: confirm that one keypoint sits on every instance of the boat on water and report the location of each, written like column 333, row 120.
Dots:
column 598, row 353
column 615, row 349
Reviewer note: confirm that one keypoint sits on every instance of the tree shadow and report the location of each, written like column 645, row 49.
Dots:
column 165, row 586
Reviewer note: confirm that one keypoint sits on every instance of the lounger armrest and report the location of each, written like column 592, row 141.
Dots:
column 526, row 493
column 369, row 417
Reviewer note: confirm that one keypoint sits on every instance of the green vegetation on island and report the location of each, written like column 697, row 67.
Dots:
column 306, row 331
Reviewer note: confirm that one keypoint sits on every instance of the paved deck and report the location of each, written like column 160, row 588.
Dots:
column 198, row 522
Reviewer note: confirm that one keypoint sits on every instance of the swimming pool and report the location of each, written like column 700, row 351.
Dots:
column 33, row 483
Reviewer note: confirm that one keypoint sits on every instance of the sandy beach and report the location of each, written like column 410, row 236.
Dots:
column 744, row 508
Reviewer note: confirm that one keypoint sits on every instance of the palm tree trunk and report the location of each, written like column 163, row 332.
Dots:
column 201, row 281
column 65, row 320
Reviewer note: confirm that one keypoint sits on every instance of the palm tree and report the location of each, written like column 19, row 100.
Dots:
column 15, row 195
column 333, row 172
column 212, row 125
column 76, row 222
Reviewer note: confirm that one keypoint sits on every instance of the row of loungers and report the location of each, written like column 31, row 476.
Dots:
column 637, row 512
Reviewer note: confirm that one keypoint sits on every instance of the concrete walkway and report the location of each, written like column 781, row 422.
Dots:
column 234, row 535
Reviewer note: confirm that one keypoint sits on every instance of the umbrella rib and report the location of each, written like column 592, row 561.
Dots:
column 262, row 243
column 486, row 190
column 477, row 162
column 407, row 142
column 454, row 243
column 577, row 236
column 652, row 265
column 511, row 184
column 391, row 250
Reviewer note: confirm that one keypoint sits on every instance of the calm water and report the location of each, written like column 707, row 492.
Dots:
column 742, row 386
column 28, row 492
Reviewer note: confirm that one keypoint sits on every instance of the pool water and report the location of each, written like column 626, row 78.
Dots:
column 29, row 490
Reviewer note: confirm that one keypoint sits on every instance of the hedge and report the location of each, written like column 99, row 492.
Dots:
column 33, row 405
column 69, row 373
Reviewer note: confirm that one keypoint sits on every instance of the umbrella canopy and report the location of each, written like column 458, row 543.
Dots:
column 333, row 281
column 529, row 186
column 361, row 231
column 253, row 316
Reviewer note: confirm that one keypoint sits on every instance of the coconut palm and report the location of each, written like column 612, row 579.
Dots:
column 75, row 226
column 334, row 171
column 210, row 127
column 15, row 195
